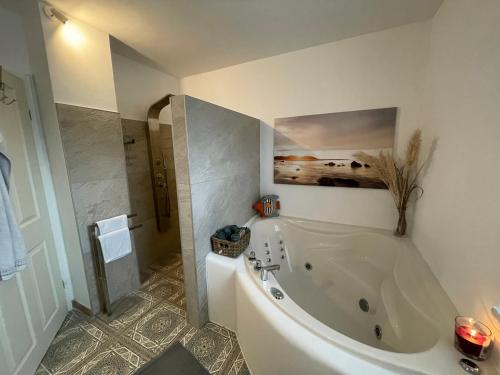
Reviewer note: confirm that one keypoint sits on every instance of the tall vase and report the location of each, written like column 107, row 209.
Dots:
column 400, row 230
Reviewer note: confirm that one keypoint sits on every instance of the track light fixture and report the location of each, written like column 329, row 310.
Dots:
column 53, row 13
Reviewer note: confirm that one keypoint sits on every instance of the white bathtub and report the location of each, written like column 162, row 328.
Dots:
column 330, row 274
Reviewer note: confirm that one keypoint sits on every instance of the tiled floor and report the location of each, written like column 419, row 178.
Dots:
column 155, row 320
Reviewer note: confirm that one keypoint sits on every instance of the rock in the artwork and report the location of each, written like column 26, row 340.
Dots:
column 326, row 181
column 339, row 182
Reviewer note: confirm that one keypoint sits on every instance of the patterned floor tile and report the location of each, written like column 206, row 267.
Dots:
column 165, row 289
column 151, row 320
column 159, row 328
column 244, row 370
column 75, row 343
column 41, row 371
column 181, row 302
column 213, row 345
column 239, row 367
column 115, row 360
column 144, row 303
column 175, row 272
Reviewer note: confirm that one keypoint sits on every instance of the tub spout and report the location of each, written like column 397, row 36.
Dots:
column 264, row 271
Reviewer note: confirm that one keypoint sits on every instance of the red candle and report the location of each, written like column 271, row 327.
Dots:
column 472, row 338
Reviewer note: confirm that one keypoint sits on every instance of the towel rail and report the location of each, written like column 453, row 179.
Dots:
column 128, row 217
column 99, row 266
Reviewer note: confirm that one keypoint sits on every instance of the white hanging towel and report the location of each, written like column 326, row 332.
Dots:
column 115, row 245
column 112, row 224
column 12, row 248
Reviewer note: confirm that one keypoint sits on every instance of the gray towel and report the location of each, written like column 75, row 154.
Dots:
column 12, row 249
column 5, row 169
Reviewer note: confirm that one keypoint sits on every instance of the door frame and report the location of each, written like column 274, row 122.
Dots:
column 48, row 188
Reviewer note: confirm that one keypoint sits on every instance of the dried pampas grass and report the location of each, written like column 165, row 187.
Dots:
column 400, row 176
column 413, row 149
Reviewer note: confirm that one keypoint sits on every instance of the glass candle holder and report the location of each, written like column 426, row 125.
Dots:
column 472, row 338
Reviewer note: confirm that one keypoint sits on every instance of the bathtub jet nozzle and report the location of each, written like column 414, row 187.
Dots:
column 364, row 305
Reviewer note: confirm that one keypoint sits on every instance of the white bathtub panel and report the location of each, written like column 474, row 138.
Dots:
column 221, row 290
column 275, row 344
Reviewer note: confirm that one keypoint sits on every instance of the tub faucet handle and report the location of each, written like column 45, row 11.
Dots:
column 258, row 265
column 251, row 256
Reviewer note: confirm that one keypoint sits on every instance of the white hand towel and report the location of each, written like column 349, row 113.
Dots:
column 112, row 224
column 12, row 248
column 115, row 245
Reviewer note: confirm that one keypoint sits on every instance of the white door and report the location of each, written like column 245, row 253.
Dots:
column 32, row 305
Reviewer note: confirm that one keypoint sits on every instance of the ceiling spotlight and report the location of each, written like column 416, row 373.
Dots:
column 53, row 13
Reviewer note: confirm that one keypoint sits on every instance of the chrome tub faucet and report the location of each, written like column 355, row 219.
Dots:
column 264, row 271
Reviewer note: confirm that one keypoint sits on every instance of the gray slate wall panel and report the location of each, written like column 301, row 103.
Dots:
column 217, row 158
column 95, row 158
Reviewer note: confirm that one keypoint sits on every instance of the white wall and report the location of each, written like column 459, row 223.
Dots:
column 138, row 86
column 80, row 64
column 14, row 54
column 22, row 42
column 445, row 77
column 31, row 19
column 457, row 222
column 382, row 69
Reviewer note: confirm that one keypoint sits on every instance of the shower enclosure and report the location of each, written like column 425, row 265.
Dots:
column 152, row 188
column 186, row 180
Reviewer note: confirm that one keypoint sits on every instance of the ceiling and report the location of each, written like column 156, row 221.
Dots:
column 186, row 37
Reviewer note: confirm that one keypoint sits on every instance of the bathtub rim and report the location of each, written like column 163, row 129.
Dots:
column 291, row 310
column 391, row 361
column 329, row 354
column 409, row 248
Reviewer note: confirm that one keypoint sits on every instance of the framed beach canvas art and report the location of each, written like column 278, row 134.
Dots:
column 319, row 149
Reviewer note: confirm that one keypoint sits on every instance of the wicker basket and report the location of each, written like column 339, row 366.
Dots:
column 229, row 248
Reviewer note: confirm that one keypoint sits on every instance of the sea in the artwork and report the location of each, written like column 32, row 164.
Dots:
column 315, row 169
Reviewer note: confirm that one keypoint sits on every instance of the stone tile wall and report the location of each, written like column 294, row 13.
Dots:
column 217, row 161
column 95, row 159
